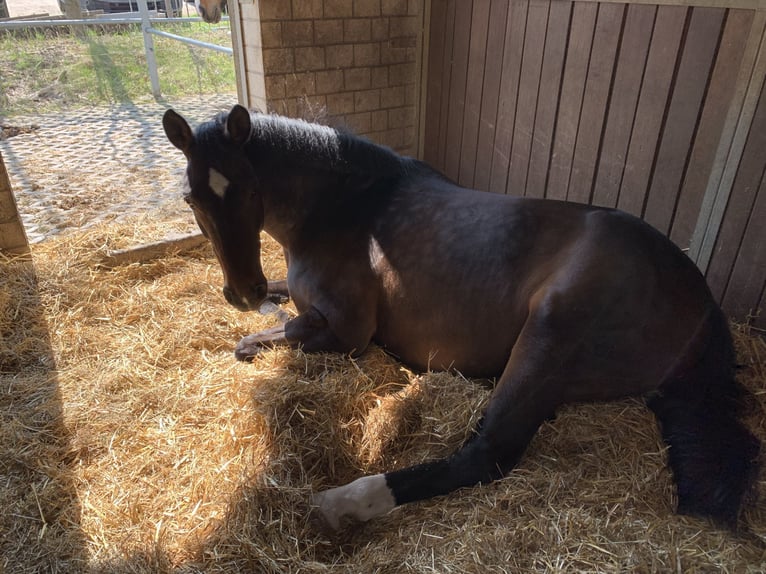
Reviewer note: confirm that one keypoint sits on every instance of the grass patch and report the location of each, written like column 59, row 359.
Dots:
column 50, row 71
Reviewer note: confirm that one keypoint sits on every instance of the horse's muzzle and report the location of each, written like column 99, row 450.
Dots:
column 250, row 300
column 210, row 16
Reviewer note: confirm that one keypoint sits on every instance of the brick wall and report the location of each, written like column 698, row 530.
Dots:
column 346, row 63
column 12, row 236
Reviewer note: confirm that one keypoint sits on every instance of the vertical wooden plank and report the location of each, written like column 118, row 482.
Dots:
column 490, row 96
column 572, row 88
column 457, row 87
column 740, row 205
column 529, row 85
column 658, row 77
column 446, row 74
column 689, row 88
column 509, row 88
column 436, row 85
column 760, row 320
column 473, row 95
column 745, row 288
column 548, row 97
column 717, row 102
column 631, row 62
column 600, row 71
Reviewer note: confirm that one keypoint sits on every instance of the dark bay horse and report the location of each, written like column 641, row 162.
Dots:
column 560, row 302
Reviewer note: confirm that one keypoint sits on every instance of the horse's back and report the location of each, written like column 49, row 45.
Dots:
column 464, row 271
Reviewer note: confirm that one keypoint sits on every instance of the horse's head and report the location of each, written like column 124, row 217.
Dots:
column 223, row 194
column 210, row 10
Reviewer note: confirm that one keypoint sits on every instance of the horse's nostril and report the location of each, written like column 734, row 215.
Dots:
column 228, row 295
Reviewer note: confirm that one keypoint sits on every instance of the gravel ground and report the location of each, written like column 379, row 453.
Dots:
column 70, row 171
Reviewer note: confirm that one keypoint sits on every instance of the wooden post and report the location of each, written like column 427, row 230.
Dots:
column 731, row 146
column 238, row 49
column 13, row 240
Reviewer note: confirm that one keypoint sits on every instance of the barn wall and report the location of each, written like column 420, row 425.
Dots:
column 349, row 63
column 737, row 270
column 619, row 104
column 12, row 236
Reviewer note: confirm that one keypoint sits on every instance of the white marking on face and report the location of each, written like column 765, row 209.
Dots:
column 363, row 499
column 217, row 182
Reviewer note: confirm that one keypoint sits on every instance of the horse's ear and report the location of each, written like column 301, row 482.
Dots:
column 238, row 125
column 178, row 131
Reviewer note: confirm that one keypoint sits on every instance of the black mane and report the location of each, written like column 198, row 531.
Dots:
column 280, row 139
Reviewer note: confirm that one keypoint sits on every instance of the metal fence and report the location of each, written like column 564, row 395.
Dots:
column 145, row 19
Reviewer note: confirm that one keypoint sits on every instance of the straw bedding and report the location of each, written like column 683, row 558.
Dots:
column 132, row 441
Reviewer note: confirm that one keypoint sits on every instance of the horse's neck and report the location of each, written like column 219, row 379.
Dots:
column 312, row 180
column 291, row 199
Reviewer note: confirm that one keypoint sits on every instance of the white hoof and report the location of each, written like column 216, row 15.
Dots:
column 361, row 500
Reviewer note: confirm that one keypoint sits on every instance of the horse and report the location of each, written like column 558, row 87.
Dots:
column 556, row 302
column 210, row 10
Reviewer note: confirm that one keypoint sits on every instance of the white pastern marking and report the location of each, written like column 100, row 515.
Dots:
column 363, row 499
column 217, row 182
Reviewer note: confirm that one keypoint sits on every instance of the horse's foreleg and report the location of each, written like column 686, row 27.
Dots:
column 277, row 292
column 249, row 346
column 309, row 331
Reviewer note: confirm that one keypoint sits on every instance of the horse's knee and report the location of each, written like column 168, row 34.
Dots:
column 360, row 500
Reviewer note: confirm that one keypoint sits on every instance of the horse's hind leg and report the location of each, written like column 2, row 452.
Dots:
column 712, row 455
column 523, row 399
column 478, row 462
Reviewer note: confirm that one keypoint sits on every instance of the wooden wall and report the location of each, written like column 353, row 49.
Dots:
column 609, row 103
column 737, row 270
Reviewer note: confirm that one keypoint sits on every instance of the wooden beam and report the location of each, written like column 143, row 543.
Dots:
column 149, row 251
column 741, row 4
column 732, row 145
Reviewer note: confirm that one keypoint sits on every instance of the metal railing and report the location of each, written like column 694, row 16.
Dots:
column 145, row 19
column 148, row 31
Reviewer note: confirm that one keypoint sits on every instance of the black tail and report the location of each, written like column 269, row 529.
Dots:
column 713, row 456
